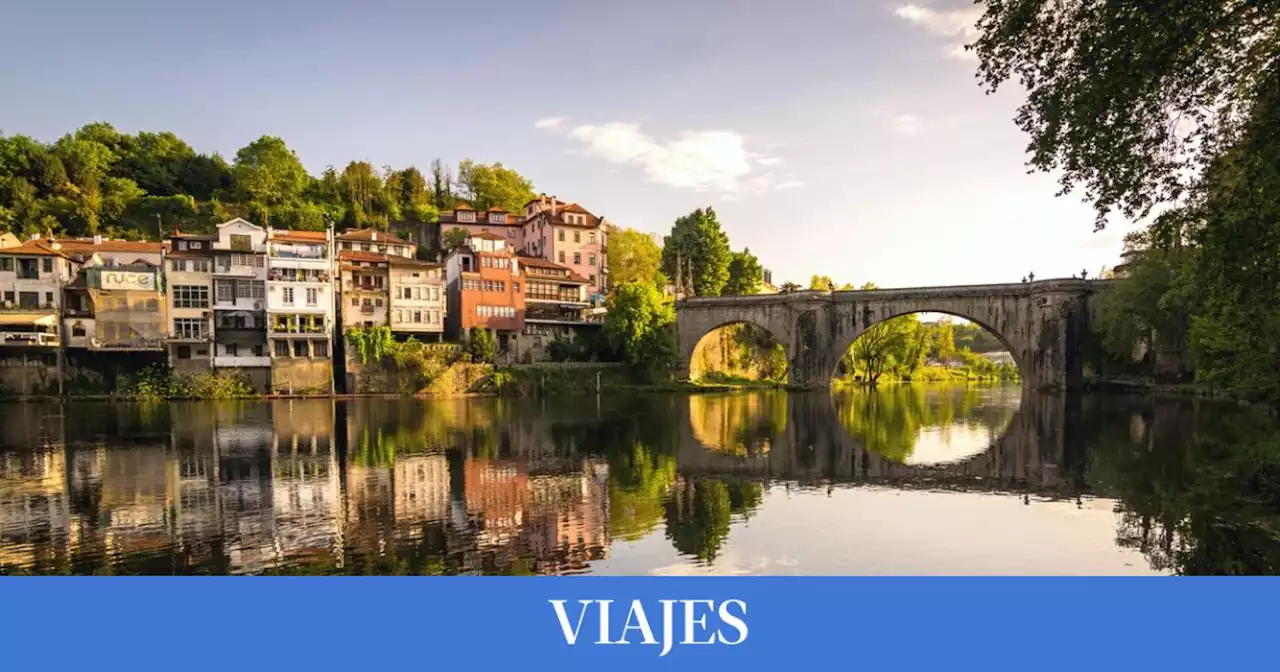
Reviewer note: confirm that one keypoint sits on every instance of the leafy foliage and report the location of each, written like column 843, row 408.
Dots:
column 99, row 180
column 494, row 185
column 481, row 345
column 701, row 249
column 745, row 274
column 639, row 325
column 634, row 256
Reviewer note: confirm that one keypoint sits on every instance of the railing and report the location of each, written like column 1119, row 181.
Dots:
column 366, row 309
column 13, row 307
column 127, row 344
column 241, row 360
column 28, row 338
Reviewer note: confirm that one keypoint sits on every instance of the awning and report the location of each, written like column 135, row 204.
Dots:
column 30, row 319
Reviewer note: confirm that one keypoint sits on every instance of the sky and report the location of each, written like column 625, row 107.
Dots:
column 846, row 138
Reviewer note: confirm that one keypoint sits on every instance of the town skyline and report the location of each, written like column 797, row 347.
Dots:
column 899, row 163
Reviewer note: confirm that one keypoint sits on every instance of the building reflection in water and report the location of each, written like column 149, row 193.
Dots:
column 538, row 487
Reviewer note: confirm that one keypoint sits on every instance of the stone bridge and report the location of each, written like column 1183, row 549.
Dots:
column 1043, row 324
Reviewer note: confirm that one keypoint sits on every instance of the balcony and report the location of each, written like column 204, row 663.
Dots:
column 27, row 307
column 237, row 270
column 34, row 339
column 126, row 345
column 241, row 361
column 240, row 304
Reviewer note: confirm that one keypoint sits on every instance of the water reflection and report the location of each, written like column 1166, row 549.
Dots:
column 900, row 480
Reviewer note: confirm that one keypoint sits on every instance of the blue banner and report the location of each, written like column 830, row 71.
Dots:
column 472, row 623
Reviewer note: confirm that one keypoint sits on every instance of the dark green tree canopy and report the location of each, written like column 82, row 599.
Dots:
column 701, row 250
column 1130, row 100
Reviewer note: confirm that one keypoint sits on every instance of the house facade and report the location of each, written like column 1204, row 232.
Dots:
column 556, row 308
column 569, row 235
column 417, row 305
column 483, row 279
column 32, row 275
column 365, row 279
column 495, row 221
column 300, row 305
column 239, row 301
column 189, row 283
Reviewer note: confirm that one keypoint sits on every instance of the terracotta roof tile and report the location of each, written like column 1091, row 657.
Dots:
column 356, row 255
column 34, row 248
column 291, row 235
column 366, row 235
column 87, row 246
column 463, row 205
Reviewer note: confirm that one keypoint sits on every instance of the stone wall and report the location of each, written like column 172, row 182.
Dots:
column 24, row 372
column 301, row 376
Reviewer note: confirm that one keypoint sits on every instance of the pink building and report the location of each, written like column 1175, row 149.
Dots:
column 565, row 233
column 569, row 235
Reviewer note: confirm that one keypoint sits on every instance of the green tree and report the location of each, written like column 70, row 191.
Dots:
column 634, row 256
column 453, row 239
column 701, row 249
column 639, row 325
column 821, row 282
column 1127, row 100
column 494, row 185
column 481, row 345
column 442, row 196
column 268, row 175
column 745, row 274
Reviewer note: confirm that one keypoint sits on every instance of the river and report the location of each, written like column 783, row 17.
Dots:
column 901, row 480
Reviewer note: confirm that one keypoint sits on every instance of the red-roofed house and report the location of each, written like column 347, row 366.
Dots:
column 569, row 235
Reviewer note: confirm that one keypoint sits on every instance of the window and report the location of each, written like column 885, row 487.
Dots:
column 182, row 244
column 232, row 349
column 515, row 287
column 259, row 289
column 241, row 242
column 497, row 218
column 288, row 296
column 313, row 296
column 319, row 348
column 562, row 235
column 562, row 256
column 8, row 297
column 197, row 245
column 399, row 316
column 282, row 348
column 465, row 216
column 378, row 302
column 179, row 265
column 591, row 237
column 189, row 328
column 6, row 263
column 577, row 257
column 417, row 316
column 190, row 296
column 355, row 301
column 511, row 233
column 244, row 290
column 184, row 352
column 577, row 236
column 593, row 279
column 48, row 299
column 300, row 349
column 591, row 259
column 224, row 291
column 77, row 330
column 48, row 265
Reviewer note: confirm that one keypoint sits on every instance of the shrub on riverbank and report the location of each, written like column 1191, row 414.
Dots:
column 156, row 383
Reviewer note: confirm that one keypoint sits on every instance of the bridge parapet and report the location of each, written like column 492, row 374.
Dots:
column 1042, row 323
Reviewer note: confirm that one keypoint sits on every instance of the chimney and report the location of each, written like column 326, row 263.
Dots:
column 553, row 206
column 97, row 239
column 373, row 235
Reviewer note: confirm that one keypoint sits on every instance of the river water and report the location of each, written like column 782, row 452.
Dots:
column 900, row 480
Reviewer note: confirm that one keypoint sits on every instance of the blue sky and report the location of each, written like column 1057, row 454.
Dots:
column 844, row 137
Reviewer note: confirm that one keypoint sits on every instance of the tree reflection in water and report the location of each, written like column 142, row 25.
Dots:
column 550, row 486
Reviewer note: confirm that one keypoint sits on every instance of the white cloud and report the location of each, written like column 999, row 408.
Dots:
column 907, row 124
column 789, row 184
column 549, row 123
column 951, row 23
column 698, row 160
column 768, row 160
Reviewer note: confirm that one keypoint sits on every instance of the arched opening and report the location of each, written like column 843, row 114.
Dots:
column 924, row 389
column 738, row 352
column 927, row 347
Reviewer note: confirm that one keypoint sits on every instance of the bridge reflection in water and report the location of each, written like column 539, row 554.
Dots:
column 539, row 487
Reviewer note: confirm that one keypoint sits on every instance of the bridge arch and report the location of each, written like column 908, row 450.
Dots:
column 842, row 346
column 729, row 338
